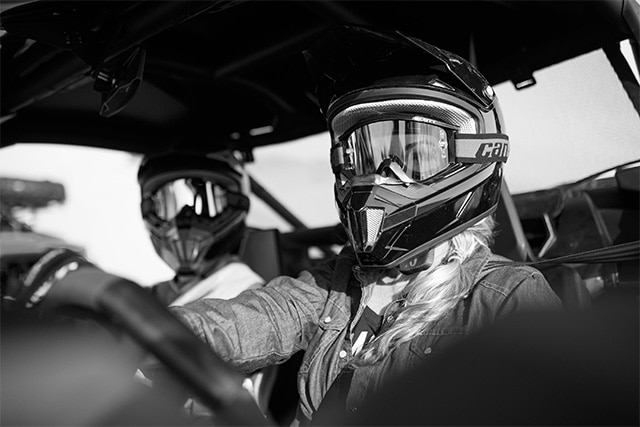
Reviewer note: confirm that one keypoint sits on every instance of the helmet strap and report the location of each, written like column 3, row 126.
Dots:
column 424, row 260
column 417, row 264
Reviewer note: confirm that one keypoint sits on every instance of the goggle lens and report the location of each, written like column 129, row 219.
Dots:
column 421, row 149
column 204, row 197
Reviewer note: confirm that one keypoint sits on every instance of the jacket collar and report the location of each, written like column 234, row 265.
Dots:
column 475, row 266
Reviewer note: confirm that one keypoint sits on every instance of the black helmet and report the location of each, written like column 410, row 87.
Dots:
column 194, row 207
column 417, row 142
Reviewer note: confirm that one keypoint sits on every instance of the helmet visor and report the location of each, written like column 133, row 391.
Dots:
column 421, row 149
column 203, row 197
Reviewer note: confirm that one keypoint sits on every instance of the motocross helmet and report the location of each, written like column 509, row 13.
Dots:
column 417, row 142
column 194, row 207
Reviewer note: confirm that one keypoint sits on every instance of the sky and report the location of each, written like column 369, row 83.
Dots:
column 577, row 103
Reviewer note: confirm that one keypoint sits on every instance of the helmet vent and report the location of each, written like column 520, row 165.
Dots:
column 450, row 114
column 373, row 221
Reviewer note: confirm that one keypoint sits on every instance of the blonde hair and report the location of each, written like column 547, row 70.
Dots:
column 430, row 294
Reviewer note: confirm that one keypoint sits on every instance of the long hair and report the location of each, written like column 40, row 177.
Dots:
column 430, row 294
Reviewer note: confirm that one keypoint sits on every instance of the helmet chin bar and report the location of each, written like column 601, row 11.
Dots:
column 391, row 225
column 366, row 225
column 190, row 243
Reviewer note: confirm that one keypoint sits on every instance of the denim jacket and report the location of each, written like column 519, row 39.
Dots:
column 314, row 311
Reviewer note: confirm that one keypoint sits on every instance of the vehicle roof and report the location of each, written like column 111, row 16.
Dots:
column 230, row 74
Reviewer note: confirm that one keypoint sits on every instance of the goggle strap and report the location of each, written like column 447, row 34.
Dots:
column 337, row 158
column 237, row 200
column 481, row 148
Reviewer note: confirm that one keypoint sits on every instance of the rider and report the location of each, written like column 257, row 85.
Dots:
column 194, row 207
column 417, row 150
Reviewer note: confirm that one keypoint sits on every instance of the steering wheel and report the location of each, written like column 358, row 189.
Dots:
column 63, row 278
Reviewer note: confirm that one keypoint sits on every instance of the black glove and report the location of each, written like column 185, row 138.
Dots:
column 61, row 287
column 53, row 266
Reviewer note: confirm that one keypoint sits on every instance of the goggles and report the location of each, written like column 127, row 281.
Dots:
column 198, row 196
column 413, row 148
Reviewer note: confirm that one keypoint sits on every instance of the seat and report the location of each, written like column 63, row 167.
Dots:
column 260, row 250
column 511, row 242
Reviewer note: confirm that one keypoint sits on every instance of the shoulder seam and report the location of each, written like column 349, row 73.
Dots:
column 506, row 291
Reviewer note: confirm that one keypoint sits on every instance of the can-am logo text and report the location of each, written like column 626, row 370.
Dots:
column 493, row 150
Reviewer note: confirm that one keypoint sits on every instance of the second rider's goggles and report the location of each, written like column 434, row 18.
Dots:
column 204, row 197
column 420, row 146
column 201, row 196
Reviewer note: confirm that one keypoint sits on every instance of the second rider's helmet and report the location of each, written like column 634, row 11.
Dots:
column 194, row 207
column 417, row 142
